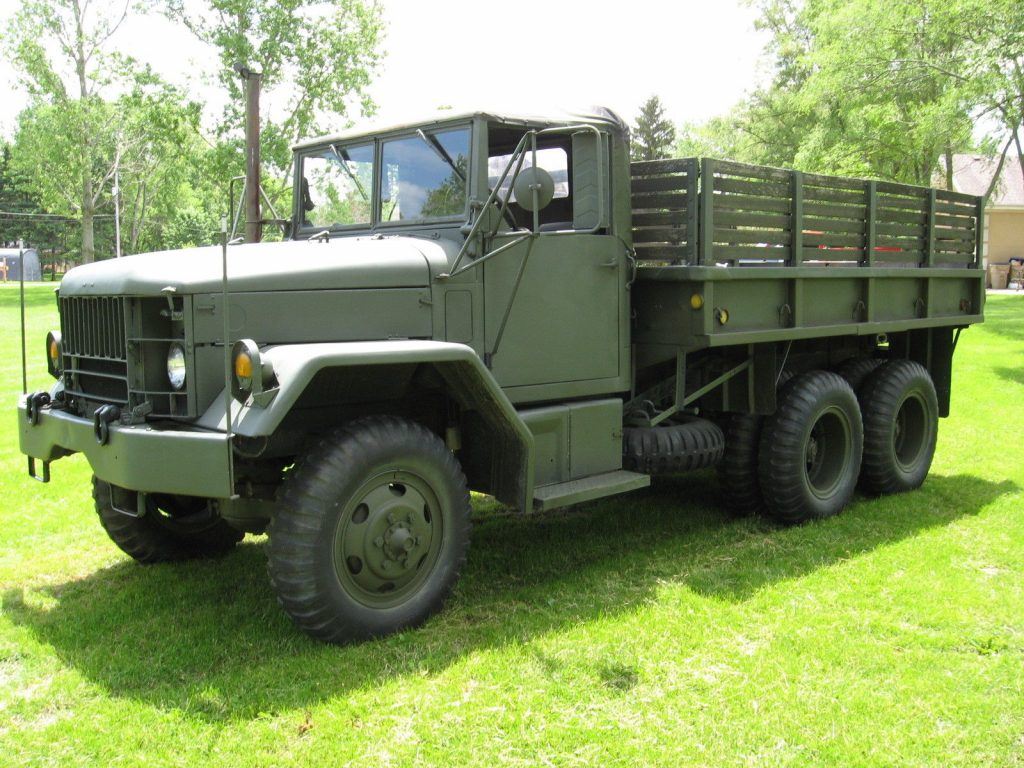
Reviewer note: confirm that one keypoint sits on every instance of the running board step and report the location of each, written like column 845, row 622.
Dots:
column 595, row 487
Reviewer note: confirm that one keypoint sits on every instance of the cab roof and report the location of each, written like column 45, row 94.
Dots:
column 593, row 115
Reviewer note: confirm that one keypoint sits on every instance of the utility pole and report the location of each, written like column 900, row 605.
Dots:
column 253, row 76
column 116, row 192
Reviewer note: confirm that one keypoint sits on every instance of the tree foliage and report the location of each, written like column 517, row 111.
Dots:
column 653, row 135
column 317, row 60
column 875, row 88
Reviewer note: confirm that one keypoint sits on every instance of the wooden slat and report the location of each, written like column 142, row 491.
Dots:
column 660, row 200
column 817, row 224
column 900, row 229
column 948, row 195
column 887, row 215
column 652, row 167
column 658, row 218
column 952, row 208
column 907, row 190
column 662, row 252
column 953, row 258
column 660, row 183
column 724, row 235
column 733, row 252
column 891, row 241
column 855, row 212
column 749, row 219
column 832, row 239
column 903, row 204
column 752, row 171
column 674, row 235
column 758, row 188
column 833, row 182
column 833, row 254
column 909, row 255
column 750, row 203
column 963, row 222
column 820, row 194
column 946, row 247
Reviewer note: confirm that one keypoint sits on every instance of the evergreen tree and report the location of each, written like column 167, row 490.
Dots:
column 653, row 135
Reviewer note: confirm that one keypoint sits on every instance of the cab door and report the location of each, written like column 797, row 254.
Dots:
column 561, row 324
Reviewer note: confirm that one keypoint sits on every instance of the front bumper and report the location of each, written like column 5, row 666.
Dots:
column 139, row 457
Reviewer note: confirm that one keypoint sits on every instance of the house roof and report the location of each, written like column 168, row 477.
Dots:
column 973, row 173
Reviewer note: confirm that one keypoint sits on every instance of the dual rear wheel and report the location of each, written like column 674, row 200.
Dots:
column 805, row 461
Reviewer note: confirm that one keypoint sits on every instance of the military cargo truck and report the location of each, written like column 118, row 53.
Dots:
column 503, row 304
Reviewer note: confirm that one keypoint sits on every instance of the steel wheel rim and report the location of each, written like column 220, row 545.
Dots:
column 910, row 431
column 388, row 539
column 827, row 451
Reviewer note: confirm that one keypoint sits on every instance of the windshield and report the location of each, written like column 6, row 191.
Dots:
column 424, row 176
column 337, row 187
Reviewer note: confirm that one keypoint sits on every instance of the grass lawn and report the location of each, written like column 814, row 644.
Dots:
column 647, row 629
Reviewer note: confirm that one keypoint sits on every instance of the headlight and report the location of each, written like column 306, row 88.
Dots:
column 176, row 365
column 53, row 363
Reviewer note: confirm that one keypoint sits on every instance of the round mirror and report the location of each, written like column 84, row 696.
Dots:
column 530, row 179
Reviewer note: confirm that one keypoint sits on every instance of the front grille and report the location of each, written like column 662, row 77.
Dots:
column 94, row 348
column 114, row 351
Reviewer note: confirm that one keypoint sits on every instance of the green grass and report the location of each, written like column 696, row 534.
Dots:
column 648, row 629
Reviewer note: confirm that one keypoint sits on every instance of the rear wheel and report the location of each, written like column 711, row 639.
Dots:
column 372, row 531
column 901, row 424
column 810, row 451
column 737, row 471
column 171, row 528
column 857, row 369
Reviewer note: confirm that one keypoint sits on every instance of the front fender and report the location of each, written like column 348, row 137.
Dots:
column 467, row 380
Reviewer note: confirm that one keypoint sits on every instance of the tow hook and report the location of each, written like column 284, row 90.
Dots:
column 33, row 405
column 101, row 422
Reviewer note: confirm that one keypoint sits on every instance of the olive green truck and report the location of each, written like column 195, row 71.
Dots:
column 508, row 305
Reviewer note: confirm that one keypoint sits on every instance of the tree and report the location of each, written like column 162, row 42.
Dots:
column 317, row 59
column 653, row 136
column 59, row 49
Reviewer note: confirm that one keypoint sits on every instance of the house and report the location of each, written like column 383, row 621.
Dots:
column 1004, row 211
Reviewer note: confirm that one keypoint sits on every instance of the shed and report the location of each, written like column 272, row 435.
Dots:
column 12, row 261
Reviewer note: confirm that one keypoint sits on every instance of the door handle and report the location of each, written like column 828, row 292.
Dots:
column 614, row 263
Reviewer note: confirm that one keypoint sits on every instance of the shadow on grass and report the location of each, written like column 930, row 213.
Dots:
column 207, row 638
column 1016, row 375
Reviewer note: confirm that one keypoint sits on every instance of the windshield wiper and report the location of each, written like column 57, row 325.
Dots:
column 431, row 141
column 343, row 157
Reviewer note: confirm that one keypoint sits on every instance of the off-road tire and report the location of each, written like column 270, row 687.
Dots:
column 169, row 530
column 737, row 471
column 672, row 448
column 810, row 452
column 331, row 504
column 739, row 485
column 857, row 369
column 901, row 424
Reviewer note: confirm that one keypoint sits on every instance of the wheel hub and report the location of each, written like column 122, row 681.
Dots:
column 385, row 540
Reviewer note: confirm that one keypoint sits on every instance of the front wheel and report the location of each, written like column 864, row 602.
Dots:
column 810, row 451
column 372, row 531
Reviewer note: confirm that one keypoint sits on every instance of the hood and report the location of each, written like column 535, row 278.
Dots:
column 354, row 262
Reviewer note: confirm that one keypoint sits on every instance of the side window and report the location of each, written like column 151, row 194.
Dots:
column 337, row 187
column 554, row 160
column 424, row 176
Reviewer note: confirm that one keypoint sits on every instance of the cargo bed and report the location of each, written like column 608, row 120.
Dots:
column 730, row 253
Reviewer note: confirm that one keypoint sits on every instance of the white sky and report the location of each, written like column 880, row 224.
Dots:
column 699, row 56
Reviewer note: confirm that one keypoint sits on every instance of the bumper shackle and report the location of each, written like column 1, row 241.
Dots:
column 101, row 422
column 33, row 405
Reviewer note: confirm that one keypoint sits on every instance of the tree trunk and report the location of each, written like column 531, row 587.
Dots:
column 949, row 168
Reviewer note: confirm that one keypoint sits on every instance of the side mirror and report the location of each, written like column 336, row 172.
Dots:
column 532, row 180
